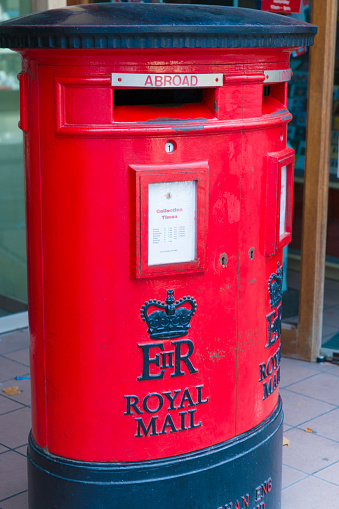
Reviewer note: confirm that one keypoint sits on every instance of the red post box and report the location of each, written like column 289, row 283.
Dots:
column 159, row 197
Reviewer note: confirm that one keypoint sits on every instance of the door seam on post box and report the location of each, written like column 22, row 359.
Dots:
column 238, row 291
column 42, row 261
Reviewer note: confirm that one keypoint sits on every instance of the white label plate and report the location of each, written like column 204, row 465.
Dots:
column 166, row 80
column 171, row 222
column 278, row 76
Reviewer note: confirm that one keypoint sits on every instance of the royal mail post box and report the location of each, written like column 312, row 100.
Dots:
column 159, row 198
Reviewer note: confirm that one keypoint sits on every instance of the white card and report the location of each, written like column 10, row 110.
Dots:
column 171, row 222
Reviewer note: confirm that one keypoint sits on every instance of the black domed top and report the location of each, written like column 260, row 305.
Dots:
column 137, row 25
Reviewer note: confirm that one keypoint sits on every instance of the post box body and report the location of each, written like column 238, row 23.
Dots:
column 156, row 381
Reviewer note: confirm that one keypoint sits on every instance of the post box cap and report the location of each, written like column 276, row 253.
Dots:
column 136, row 25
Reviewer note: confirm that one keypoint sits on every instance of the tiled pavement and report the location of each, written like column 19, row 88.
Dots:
column 14, row 420
column 310, row 395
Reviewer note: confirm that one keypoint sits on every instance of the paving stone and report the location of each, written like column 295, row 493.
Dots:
column 13, row 476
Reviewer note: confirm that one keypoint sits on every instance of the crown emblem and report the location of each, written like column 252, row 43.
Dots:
column 171, row 319
column 275, row 287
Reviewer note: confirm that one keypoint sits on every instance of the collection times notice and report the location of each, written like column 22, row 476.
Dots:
column 171, row 222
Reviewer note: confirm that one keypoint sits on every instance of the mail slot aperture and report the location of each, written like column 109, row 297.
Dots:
column 161, row 104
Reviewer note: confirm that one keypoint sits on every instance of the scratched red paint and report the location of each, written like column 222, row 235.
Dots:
column 84, row 301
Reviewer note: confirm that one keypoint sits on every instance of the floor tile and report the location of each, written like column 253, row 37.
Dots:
column 292, row 371
column 25, row 386
column 330, row 474
column 7, row 404
column 309, row 452
column 331, row 317
column 3, row 449
column 291, row 476
column 298, row 408
column 13, row 341
column 310, row 492
column 327, row 425
column 13, row 475
column 15, row 427
column 17, row 502
column 21, row 450
column 287, row 426
column 10, row 369
column 334, row 370
column 20, row 356
column 321, row 366
column 323, row 386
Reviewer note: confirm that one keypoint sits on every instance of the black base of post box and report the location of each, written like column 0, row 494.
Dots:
column 244, row 472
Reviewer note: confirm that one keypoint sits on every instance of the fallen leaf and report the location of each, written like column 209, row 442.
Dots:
column 12, row 391
column 309, row 430
column 286, row 441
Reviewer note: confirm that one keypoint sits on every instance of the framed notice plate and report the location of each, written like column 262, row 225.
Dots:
column 279, row 200
column 170, row 218
column 283, row 197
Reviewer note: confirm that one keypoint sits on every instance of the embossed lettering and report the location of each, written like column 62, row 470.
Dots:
column 242, row 504
column 266, row 370
column 186, row 397
column 147, row 361
column 200, row 401
column 152, row 428
column 159, row 405
column 263, row 489
column 168, row 423
column 262, row 372
column 131, row 404
column 245, row 500
column 167, row 359
column 272, row 384
column 183, row 350
column 179, row 357
column 154, row 402
column 142, row 426
column 182, row 418
column 270, row 366
column 273, row 326
column 192, row 425
column 171, row 398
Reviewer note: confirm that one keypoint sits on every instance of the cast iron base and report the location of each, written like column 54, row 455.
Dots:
column 246, row 469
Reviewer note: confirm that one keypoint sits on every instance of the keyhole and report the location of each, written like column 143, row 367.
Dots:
column 251, row 253
column 223, row 260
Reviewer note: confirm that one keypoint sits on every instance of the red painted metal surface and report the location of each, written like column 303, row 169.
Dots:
column 92, row 400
